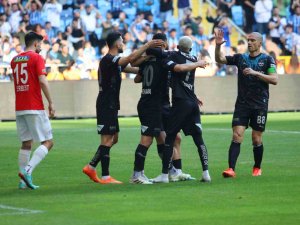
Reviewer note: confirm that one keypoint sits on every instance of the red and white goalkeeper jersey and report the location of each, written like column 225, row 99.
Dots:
column 26, row 68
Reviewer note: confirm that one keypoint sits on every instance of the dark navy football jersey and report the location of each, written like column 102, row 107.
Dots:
column 109, row 79
column 154, row 81
column 182, row 84
column 252, row 91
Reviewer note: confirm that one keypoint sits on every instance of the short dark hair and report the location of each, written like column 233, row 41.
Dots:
column 159, row 36
column 32, row 37
column 112, row 38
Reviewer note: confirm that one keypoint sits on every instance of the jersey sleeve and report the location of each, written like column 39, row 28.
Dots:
column 233, row 60
column 168, row 64
column 271, row 65
column 40, row 66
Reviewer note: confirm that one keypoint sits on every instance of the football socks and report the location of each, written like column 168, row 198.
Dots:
column 24, row 157
column 177, row 164
column 38, row 155
column 233, row 154
column 160, row 149
column 202, row 151
column 140, row 156
column 258, row 155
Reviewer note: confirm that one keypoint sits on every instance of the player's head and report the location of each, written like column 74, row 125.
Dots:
column 254, row 41
column 185, row 44
column 115, row 40
column 163, row 37
column 33, row 40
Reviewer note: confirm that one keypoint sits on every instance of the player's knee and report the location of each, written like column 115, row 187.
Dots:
column 115, row 140
column 48, row 144
column 178, row 138
column 237, row 136
column 256, row 140
column 26, row 145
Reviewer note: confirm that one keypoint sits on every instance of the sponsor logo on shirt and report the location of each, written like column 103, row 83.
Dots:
column 21, row 58
column 21, row 88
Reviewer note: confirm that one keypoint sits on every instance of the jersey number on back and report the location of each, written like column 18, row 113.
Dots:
column 22, row 74
column 148, row 76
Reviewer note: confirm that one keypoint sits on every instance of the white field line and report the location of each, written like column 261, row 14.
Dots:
column 17, row 211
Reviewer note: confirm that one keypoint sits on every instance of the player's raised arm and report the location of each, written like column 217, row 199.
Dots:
column 189, row 67
column 140, row 60
column 136, row 54
column 130, row 69
column 219, row 57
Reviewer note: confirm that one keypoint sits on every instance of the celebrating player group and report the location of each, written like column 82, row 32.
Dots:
column 157, row 69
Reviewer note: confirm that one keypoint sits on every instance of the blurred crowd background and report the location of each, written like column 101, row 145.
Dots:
column 75, row 31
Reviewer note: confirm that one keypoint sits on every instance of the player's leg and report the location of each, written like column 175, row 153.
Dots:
column 234, row 150
column 193, row 127
column 25, row 150
column 138, row 176
column 240, row 122
column 108, row 128
column 41, row 131
column 160, row 141
column 258, row 150
column 258, row 122
column 176, row 159
column 176, row 119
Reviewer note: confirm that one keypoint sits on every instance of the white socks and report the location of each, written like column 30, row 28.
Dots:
column 24, row 157
column 38, row 155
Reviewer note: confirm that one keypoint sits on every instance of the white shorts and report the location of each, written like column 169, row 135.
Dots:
column 35, row 127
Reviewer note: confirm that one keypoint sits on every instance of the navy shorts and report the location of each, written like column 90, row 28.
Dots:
column 245, row 116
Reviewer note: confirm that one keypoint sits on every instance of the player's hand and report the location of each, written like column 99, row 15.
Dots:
column 219, row 36
column 200, row 103
column 202, row 63
column 155, row 43
column 248, row 71
column 51, row 110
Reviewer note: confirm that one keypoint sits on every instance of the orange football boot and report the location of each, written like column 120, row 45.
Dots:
column 228, row 173
column 256, row 172
column 110, row 180
column 91, row 173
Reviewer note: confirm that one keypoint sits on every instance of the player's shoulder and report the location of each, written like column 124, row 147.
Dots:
column 110, row 58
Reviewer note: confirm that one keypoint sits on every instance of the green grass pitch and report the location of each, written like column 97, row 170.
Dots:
column 67, row 196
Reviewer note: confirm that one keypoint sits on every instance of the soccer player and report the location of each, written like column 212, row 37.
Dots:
column 153, row 110
column 256, row 71
column 32, row 121
column 153, row 77
column 185, row 113
column 108, row 103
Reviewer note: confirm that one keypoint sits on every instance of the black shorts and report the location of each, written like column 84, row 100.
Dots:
column 107, row 121
column 185, row 115
column 151, row 121
column 245, row 116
